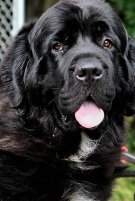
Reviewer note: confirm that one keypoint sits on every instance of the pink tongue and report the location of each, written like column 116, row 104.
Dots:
column 89, row 115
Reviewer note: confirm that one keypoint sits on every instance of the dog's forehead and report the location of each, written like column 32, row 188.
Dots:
column 87, row 5
column 77, row 11
column 67, row 8
column 79, row 15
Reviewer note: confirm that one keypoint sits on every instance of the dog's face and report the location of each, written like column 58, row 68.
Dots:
column 78, row 57
column 81, row 47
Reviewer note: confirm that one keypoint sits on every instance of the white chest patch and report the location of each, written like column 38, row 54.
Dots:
column 79, row 196
column 86, row 148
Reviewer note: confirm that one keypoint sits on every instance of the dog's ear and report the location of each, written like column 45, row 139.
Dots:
column 14, row 64
column 129, row 81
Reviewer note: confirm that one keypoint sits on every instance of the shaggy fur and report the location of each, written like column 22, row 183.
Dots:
column 45, row 155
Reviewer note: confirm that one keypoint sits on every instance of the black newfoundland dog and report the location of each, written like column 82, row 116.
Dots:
column 66, row 82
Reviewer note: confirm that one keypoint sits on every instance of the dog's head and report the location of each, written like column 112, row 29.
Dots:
column 76, row 60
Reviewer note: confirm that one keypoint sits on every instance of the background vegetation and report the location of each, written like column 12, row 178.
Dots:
column 125, row 188
column 126, row 10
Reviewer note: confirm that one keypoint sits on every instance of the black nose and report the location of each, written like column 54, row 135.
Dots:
column 89, row 72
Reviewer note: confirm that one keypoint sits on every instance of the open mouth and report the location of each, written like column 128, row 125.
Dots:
column 89, row 115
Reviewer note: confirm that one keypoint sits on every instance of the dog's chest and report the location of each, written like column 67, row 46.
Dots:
column 86, row 148
column 77, row 191
column 79, row 196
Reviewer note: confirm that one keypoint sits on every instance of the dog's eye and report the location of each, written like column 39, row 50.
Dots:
column 107, row 43
column 57, row 47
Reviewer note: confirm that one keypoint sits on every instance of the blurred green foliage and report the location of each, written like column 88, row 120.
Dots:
column 126, row 10
column 124, row 190
column 130, row 127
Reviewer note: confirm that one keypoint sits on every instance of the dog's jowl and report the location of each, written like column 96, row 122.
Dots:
column 66, row 83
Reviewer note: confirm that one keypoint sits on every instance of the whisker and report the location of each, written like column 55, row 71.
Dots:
column 51, row 101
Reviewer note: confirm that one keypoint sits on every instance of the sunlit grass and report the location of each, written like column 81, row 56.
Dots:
column 124, row 190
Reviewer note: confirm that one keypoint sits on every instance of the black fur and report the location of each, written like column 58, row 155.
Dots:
column 40, row 94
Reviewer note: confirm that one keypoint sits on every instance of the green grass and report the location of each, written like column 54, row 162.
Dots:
column 124, row 190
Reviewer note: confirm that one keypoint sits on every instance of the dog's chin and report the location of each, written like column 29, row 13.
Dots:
column 94, row 128
column 85, row 116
